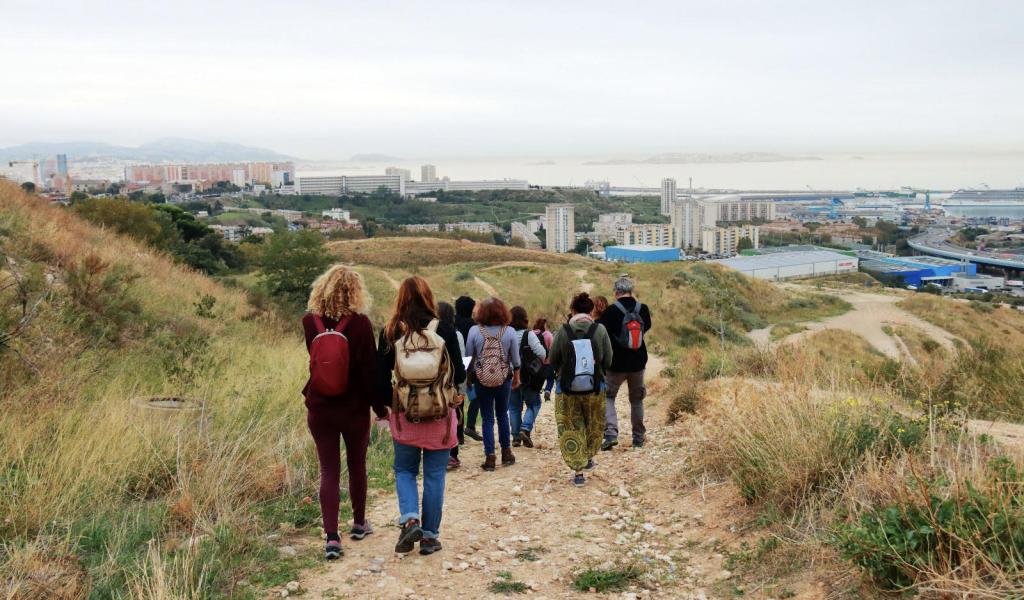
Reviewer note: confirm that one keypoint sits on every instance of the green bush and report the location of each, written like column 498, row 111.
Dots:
column 943, row 529
column 102, row 306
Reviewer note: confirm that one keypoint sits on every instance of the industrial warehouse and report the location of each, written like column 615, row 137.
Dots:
column 641, row 253
column 789, row 265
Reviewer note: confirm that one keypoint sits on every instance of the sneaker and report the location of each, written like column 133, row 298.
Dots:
column 333, row 550
column 473, row 433
column 639, row 443
column 609, row 444
column 524, row 436
column 360, row 531
column 547, row 395
column 407, row 538
column 429, row 546
column 579, row 480
column 590, row 465
column 517, row 441
column 453, row 463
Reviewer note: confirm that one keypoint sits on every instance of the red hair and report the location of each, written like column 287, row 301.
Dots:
column 493, row 311
column 415, row 302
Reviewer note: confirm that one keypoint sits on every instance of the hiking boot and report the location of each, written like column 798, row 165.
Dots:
column 429, row 546
column 453, row 463
column 507, row 458
column 407, row 538
column 590, row 465
column 639, row 443
column 473, row 433
column 547, row 395
column 579, row 480
column 489, row 461
column 360, row 531
column 517, row 440
column 609, row 444
column 333, row 550
column 526, row 439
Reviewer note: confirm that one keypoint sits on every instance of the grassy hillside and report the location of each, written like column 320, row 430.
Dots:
column 107, row 497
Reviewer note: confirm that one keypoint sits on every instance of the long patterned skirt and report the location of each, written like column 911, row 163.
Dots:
column 580, row 422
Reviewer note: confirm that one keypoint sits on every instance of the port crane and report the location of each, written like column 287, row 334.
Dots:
column 927, row 195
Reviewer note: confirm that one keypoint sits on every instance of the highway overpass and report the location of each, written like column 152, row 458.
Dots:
column 935, row 244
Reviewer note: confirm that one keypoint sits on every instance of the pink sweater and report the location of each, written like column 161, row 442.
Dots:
column 429, row 435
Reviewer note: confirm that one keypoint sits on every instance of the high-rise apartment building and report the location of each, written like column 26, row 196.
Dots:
column 668, row 195
column 653, row 234
column 405, row 174
column 688, row 218
column 725, row 240
column 560, row 228
column 428, row 173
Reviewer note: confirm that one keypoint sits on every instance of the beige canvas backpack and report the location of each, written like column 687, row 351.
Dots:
column 424, row 387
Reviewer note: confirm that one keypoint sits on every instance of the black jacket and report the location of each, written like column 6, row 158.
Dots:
column 464, row 315
column 386, row 359
column 625, row 360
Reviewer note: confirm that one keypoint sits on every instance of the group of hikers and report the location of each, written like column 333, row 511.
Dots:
column 429, row 359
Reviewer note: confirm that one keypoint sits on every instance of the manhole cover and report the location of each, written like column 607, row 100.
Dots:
column 168, row 403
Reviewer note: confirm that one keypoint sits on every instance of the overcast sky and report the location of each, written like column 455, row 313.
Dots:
column 452, row 78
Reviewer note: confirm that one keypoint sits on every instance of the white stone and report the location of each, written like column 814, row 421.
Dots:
column 292, row 586
column 287, row 551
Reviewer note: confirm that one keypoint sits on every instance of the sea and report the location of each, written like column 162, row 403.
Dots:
column 829, row 172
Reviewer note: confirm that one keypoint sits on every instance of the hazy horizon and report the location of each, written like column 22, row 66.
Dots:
column 321, row 81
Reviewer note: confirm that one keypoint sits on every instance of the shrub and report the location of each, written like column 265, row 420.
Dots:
column 606, row 580
column 686, row 399
column 951, row 537
column 100, row 292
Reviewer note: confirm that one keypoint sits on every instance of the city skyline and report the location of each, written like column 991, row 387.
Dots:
column 322, row 82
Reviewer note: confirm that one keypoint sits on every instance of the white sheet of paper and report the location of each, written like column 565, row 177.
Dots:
column 465, row 361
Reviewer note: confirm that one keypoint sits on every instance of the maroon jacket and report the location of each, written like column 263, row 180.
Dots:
column 362, row 377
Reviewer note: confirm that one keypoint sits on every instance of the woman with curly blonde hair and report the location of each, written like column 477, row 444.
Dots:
column 337, row 304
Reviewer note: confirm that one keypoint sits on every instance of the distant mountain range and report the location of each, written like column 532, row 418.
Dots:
column 161, row 150
column 680, row 158
column 374, row 158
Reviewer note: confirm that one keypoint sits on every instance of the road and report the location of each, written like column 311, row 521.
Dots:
column 935, row 242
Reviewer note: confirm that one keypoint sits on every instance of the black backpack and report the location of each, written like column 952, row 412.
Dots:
column 532, row 367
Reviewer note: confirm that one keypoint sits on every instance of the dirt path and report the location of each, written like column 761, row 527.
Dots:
column 585, row 285
column 486, row 287
column 391, row 280
column 527, row 521
column 868, row 317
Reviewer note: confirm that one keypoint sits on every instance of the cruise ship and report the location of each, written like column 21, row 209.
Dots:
column 986, row 198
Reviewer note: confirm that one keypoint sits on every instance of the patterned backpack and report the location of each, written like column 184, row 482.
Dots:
column 492, row 364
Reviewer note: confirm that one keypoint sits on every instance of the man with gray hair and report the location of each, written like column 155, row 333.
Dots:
column 627, row 322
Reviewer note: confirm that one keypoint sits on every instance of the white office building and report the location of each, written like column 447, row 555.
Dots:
column 337, row 214
column 535, row 225
column 668, row 195
column 560, row 228
column 336, row 185
column 473, row 226
column 428, row 173
column 480, row 185
column 238, row 178
column 331, row 185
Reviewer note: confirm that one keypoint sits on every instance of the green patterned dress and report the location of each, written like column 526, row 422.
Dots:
column 580, row 422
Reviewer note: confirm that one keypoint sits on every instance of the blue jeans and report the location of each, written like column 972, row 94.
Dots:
column 549, row 378
column 407, row 469
column 520, row 398
column 494, row 405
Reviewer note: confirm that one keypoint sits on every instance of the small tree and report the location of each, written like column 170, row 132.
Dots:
column 745, row 243
column 290, row 262
column 582, row 247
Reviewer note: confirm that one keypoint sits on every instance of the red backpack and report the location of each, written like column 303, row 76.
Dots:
column 329, row 359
